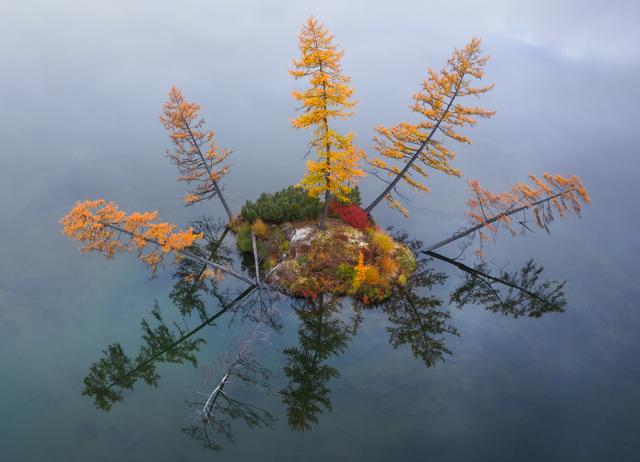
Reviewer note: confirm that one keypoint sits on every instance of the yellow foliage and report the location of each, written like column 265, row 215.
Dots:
column 553, row 192
column 395, row 204
column 338, row 160
column 414, row 145
column 215, row 275
column 361, row 271
column 383, row 243
column 102, row 227
column 260, row 229
column 388, row 266
column 373, row 277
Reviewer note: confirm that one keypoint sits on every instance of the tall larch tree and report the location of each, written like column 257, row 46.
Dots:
column 408, row 150
column 198, row 158
column 328, row 98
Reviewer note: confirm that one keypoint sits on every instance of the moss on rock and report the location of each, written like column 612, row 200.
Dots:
column 306, row 261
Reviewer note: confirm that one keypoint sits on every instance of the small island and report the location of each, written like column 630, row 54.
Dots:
column 316, row 242
column 314, row 237
column 351, row 256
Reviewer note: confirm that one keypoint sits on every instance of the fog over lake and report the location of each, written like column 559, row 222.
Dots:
column 81, row 88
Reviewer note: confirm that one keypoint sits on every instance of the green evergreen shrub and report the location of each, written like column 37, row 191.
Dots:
column 291, row 204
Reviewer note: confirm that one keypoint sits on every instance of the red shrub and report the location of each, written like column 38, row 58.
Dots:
column 351, row 215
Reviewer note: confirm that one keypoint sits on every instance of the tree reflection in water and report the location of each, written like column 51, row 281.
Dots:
column 417, row 317
column 321, row 335
column 415, row 314
column 217, row 409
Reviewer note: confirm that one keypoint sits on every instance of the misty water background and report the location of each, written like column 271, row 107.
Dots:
column 81, row 87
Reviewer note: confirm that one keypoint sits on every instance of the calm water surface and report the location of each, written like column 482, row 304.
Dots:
column 79, row 101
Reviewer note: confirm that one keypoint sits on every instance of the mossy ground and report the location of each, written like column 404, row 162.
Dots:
column 301, row 260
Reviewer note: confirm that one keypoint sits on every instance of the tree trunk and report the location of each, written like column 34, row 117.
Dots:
column 206, row 166
column 208, row 406
column 325, row 211
column 185, row 253
column 479, row 274
column 255, row 257
column 473, row 229
column 424, row 144
column 194, row 331
column 222, row 199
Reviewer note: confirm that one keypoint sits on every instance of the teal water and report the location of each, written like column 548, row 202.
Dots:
column 82, row 86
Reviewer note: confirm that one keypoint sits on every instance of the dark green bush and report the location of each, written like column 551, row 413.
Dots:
column 291, row 204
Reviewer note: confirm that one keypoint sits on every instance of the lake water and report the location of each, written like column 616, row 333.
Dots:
column 82, row 86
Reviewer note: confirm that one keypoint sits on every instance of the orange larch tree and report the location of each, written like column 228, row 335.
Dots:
column 406, row 151
column 338, row 160
column 409, row 149
column 102, row 227
column 544, row 197
column 198, row 158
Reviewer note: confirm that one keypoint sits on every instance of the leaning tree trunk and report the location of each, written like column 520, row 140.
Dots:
column 415, row 156
column 473, row 229
column 185, row 253
column 325, row 211
column 482, row 275
column 206, row 322
column 206, row 166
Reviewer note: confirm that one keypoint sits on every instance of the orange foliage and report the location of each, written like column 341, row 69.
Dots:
column 373, row 277
column 552, row 193
column 102, row 227
column 338, row 160
column 389, row 266
column 260, row 228
column 195, row 153
column 382, row 242
column 361, row 271
column 437, row 102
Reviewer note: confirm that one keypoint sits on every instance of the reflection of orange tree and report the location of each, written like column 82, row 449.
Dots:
column 418, row 320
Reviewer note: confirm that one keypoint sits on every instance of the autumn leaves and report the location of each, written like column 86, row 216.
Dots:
column 104, row 228
column 328, row 98
column 195, row 154
column 407, row 152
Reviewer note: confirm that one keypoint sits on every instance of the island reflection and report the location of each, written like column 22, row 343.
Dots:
column 417, row 318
